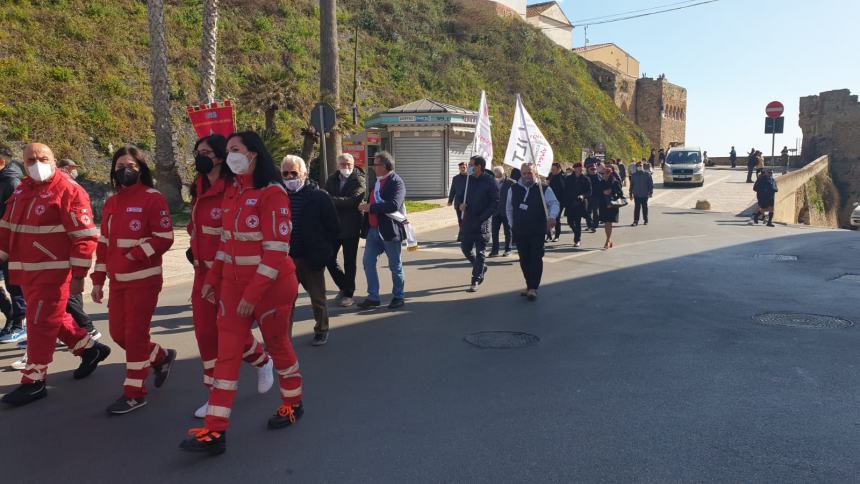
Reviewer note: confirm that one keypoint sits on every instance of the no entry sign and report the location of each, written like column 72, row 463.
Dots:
column 774, row 109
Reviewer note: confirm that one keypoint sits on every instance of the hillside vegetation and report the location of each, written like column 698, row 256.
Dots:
column 73, row 73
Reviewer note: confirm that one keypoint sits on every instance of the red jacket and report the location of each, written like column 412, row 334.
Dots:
column 255, row 239
column 136, row 230
column 47, row 232
column 205, row 226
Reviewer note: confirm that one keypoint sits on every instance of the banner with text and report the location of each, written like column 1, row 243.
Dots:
column 527, row 144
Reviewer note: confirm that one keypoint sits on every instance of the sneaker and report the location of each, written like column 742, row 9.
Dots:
column 22, row 345
column 473, row 287
column 493, row 254
column 396, row 303
column 162, row 370
column 125, row 405
column 645, row 223
column 524, row 292
column 634, row 224
column 26, row 393
column 201, row 411
column 555, row 239
column 368, row 303
column 20, row 364
column 483, row 274
column 770, row 225
column 346, row 302
column 265, row 377
column 94, row 334
column 205, row 440
column 286, row 416
column 14, row 335
column 507, row 253
column 577, row 244
column 320, row 339
column 90, row 359
column 531, row 295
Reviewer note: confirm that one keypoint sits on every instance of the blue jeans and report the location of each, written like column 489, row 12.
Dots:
column 373, row 247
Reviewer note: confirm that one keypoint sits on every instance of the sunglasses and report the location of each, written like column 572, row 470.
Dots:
column 294, row 174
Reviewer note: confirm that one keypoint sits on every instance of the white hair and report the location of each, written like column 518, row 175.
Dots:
column 346, row 157
column 298, row 161
column 498, row 170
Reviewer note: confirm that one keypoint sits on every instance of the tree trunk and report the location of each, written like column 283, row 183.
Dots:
column 209, row 51
column 310, row 142
column 166, row 175
column 330, row 74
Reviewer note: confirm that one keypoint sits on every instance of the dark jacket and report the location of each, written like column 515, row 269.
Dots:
column 595, row 184
column 574, row 187
column 556, row 182
column 458, row 188
column 482, row 201
column 318, row 230
column 765, row 188
column 10, row 178
column 622, row 171
column 616, row 191
column 504, row 188
column 394, row 196
column 532, row 221
column 733, row 155
column 641, row 185
column 346, row 201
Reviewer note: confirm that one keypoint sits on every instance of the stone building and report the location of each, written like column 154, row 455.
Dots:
column 661, row 111
column 551, row 20
column 612, row 57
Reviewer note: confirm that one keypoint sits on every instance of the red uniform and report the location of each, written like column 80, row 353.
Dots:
column 205, row 231
column 48, row 237
column 135, row 232
column 252, row 262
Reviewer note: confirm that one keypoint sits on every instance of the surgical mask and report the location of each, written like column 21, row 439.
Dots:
column 127, row 177
column 345, row 172
column 294, row 185
column 74, row 174
column 528, row 181
column 470, row 170
column 499, row 181
column 40, row 171
column 238, row 163
column 203, row 164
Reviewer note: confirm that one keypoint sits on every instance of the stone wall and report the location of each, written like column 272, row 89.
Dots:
column 808, row 196
column 661, row 111
column 831, row 126
column 620, row 87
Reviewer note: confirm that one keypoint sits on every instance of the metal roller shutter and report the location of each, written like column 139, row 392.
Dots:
column 420, row 161
column 459, row 150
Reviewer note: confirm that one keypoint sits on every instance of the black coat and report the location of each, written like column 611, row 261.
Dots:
column 504, row 188
column 319, row 227
column 458, row 188
column 10, row 178
column 394, row 196
column 346, row 202
column 596, row 180
column 482, row 202
column 615, row 193
column 574, row 187
column 556, row 182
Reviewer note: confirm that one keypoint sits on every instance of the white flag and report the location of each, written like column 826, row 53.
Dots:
column 527, row 144
column 483, row 144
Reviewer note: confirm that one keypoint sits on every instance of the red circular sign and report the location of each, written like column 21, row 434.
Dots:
column 774, row 109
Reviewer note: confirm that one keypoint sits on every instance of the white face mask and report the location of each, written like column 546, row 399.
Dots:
column 294, row 185
column 238, row 163
column 74, row 174
column 40, row 171
column 345, row 172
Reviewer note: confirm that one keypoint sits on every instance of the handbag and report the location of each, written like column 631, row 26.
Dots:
column 618, row 203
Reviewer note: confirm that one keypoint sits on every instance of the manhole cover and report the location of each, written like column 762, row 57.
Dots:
column 501, row 339
column 777, row 257
column 801, row 320
column 853, row 278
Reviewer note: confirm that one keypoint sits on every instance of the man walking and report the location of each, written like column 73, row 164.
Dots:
column 555, row 180
column 733, row 157
column 12, row 305
column 592, row 214
column 457, row 191
column 751, row 162
column 641, row 189
column 479, row 205
column 500, row 218
column 347, row 188
column 315, row 230
column 529, row 223
column 577, row 191
column 384, row 214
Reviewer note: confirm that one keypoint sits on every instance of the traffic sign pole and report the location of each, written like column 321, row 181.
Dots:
column 774, row 110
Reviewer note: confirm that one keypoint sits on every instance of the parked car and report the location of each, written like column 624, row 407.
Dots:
column 855, row 216
column 684, row 165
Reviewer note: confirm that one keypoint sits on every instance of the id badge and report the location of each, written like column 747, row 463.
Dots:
column 524, row 206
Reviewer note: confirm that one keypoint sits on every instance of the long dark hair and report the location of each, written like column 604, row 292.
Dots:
column 139, row 158
column 218, row 144
column 265, row 172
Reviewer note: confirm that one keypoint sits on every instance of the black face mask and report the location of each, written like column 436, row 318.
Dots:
column 126, row 177
column 203, row 164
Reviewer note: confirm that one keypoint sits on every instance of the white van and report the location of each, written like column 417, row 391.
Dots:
column 684, row 165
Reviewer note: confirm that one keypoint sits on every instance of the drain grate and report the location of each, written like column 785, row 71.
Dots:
column 777, row 257
column 851, row 278
column 802, row 320
column 501, row 340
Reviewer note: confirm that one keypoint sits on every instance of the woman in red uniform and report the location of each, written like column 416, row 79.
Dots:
column 207, row 195
column 252, row 262
column 135, row 232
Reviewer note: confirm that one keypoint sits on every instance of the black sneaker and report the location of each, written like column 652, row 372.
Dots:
column 483, row 274
column 205, row 440
column 286, row 416
column 396, row 303
column 162, row 370
column 125, row 405
column 26, row 393
column 320, row 339
column 367, row 304
column 90, row 359
column 770, row 225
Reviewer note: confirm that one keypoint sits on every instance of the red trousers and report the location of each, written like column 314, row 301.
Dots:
column 206, row 330
column 274, row 317
column 130, row 310
column 47, row 321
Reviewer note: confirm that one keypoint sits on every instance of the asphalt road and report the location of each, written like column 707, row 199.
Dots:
column 649, row 368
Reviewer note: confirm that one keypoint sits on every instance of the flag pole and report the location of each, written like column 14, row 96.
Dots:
column 474, row 142
column 532, row 152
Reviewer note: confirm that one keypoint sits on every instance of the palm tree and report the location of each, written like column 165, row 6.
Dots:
column 209, row 51
column 166, row 175
column 330, row 74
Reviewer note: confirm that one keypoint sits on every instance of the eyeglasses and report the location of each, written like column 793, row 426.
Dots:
column 287, row 174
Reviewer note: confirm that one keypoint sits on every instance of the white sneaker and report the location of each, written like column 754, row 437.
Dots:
column 201, row 412
column 346, row 302
column 20, row 364
column 265, row 377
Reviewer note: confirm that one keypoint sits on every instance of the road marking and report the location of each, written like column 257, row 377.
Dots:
column 553, row 260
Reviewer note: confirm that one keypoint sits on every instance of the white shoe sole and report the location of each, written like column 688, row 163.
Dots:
column 265, row 377
column 19, row 365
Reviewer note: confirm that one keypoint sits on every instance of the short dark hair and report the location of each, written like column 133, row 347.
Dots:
column 65, row 162
column 139, row 158
column 386, row 159
column 556, row 164
column 462, row 163
column 479, row 161
column 5, row 153
column 265, row 172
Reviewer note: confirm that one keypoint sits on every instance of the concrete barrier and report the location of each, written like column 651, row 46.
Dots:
column 791, row 195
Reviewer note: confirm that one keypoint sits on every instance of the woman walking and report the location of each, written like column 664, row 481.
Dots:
column 611, row 191
column 252, row 262
column 135, row 232
column 207, row 196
